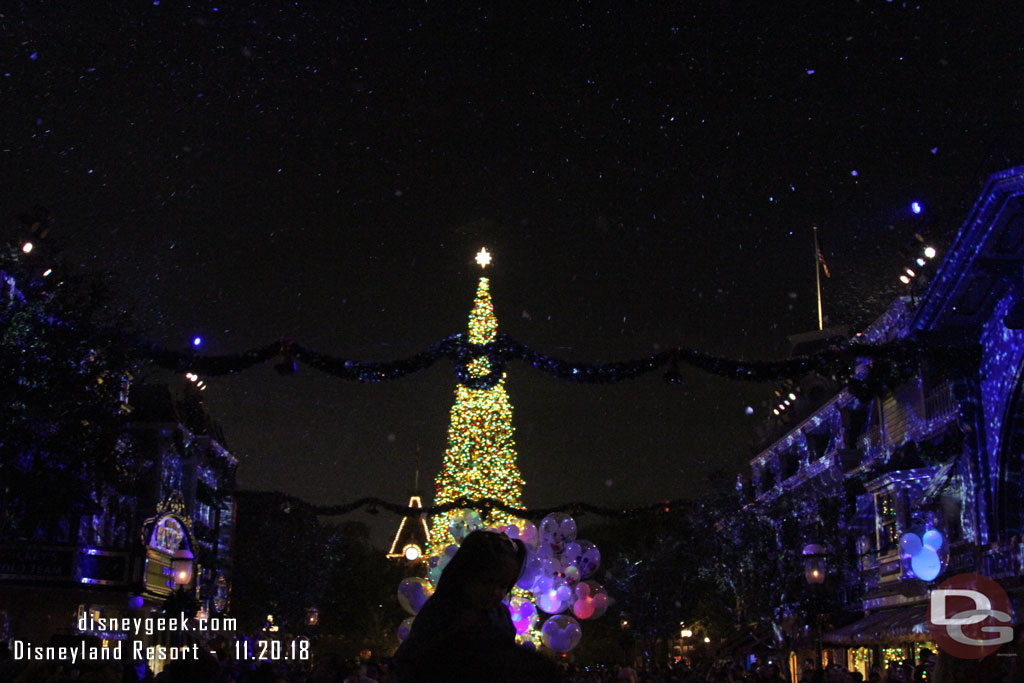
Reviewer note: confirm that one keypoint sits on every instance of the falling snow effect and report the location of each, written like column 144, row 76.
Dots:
column 325, row 173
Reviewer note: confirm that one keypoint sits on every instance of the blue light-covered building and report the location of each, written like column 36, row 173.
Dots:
column 937, row 447
column 116, row 561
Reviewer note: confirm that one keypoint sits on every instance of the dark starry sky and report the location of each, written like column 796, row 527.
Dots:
column 646, row 174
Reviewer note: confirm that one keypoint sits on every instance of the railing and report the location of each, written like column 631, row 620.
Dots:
column 870, row 439
column 939, row 402
column 897, row 417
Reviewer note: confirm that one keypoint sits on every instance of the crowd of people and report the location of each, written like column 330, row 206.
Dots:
column 330, row 668
column 464, row 634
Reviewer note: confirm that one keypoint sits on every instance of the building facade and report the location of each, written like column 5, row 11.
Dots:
column 116, row 562
column 932, row 447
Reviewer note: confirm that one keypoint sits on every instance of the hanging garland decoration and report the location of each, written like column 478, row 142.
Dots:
column 373, row 371
column 375, row 505
column 181, row 362
column 890, row 364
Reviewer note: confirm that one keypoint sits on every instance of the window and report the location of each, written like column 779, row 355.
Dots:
column 888, row 527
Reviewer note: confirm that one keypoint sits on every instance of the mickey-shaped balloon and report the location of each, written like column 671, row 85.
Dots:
column 556, row 530
column 923, row 551
column 561, row 633
column 553, row 594
column 590, row 600
column 584, row 555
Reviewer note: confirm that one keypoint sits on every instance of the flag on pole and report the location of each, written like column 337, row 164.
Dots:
column 821, row 260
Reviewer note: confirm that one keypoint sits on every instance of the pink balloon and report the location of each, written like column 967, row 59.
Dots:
column 584, row 608
column 596, row 595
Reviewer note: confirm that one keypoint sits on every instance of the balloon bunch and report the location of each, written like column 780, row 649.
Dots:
column 557, row 572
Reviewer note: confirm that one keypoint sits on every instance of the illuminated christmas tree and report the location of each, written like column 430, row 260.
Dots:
column 480, row 461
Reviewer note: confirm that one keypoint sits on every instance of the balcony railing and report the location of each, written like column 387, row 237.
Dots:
column 939, row 403
column 870, row 439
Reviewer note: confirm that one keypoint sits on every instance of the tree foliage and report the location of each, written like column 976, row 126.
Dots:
column 62, row 372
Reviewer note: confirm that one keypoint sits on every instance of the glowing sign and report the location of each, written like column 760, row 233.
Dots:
column 167, row 535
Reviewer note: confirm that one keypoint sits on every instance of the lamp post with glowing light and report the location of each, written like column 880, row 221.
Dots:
column 815, row 570
column 181, row 600
column 181, row 566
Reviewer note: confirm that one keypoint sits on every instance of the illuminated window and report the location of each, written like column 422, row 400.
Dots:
column 888, row 526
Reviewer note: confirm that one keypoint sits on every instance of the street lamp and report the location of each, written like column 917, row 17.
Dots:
column 814, row 563
column 180, row 600
column 815, row 570
column 181, row 566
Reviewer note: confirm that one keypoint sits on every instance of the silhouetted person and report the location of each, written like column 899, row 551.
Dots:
column 464, row 632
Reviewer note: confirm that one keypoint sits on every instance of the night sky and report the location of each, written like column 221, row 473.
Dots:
column 645, row 175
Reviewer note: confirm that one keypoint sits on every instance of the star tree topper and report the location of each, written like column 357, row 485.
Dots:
column 483, row 257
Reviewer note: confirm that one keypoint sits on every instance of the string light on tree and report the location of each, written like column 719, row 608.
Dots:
column 480, row 461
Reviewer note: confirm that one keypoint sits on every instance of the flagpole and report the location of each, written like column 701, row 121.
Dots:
column 817, row 276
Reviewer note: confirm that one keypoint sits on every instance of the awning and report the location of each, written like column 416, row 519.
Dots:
column 902, row 625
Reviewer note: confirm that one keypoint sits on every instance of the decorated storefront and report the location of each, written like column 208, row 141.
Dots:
column 885, row 637
column 164, row 535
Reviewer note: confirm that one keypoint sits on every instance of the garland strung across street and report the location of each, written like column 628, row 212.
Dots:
column 485, row 505
column 891, row 362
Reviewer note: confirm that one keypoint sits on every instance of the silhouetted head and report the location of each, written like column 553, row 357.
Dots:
column 484, row 569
